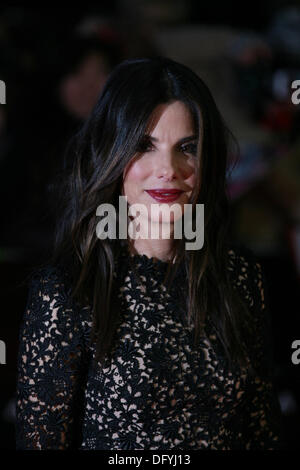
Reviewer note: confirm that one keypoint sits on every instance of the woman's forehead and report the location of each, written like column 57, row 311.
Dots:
column 172, row 118
column 167, row 113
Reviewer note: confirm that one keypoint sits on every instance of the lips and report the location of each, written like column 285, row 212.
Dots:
column 164, row 195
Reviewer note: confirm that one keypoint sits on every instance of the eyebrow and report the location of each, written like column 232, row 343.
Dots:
column 180, row 141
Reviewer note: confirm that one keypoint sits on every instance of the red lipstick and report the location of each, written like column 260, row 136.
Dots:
column 164, row 195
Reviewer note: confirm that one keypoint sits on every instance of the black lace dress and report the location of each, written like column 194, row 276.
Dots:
column 158, row 391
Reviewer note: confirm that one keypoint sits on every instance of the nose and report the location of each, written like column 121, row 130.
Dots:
column 167, row 168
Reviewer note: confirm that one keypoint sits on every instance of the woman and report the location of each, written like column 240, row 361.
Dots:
column 141, row 343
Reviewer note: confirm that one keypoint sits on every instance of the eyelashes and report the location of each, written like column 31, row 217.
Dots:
column 189, row 148
column 145, row 146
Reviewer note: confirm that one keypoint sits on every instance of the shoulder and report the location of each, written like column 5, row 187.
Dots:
column 243, row 259
column 49, row 296
column 50, row 281
column 249, row 279
column 247, row 274
column 48, row 274
column 241, row 256
column 51, row 332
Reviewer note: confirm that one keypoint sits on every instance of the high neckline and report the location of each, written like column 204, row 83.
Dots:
column 152, row 277
column 145, row 265
column 143, row 258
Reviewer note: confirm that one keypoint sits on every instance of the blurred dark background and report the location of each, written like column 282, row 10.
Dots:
column 54, row 63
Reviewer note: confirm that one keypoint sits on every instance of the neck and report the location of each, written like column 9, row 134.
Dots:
column 159, row 249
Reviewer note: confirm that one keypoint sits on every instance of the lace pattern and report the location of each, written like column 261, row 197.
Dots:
column 158, row 391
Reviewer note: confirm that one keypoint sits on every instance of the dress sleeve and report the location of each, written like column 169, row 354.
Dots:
column 262, row 418
column 50, row 367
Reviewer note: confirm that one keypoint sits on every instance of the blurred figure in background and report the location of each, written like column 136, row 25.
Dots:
column 64, row 95
column 45, row 86
column 54, row 71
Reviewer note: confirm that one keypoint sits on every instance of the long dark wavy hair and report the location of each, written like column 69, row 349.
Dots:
column 93, row 170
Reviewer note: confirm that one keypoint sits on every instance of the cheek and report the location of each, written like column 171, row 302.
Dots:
column 193, row 182
column 192, row 178
column 135, row 174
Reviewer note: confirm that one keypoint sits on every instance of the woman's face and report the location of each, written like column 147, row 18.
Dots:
column 165, row 161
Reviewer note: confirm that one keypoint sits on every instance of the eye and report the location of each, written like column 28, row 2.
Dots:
column 144, row 146
column 189, row 148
